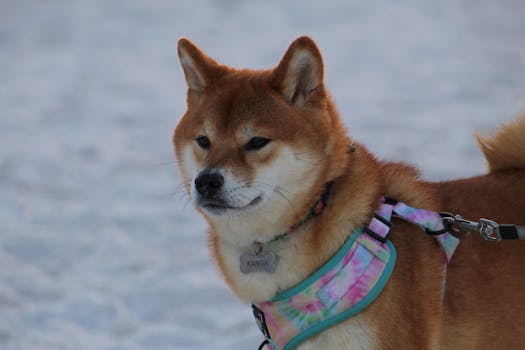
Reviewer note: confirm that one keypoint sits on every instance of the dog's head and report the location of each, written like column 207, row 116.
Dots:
column 257, row 147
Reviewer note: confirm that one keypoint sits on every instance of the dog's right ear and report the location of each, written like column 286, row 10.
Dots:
column 199, row 69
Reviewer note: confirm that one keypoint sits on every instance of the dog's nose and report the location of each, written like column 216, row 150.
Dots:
column 209, row 183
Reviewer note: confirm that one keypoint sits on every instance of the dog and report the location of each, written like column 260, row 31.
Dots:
column 257, row 148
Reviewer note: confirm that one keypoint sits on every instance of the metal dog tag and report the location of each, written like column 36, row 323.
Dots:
column 258, row 260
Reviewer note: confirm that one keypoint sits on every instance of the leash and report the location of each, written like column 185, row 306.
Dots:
column 489, row 230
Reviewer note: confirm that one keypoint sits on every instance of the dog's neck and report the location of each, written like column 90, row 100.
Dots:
column 352, row 200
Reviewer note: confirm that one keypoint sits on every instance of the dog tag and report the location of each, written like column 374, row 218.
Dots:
column 258, row 260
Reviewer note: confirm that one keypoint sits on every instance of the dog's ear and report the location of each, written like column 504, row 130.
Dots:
column 199, row 69
column 299, row 75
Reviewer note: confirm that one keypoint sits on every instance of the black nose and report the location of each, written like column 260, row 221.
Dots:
column 209, row 183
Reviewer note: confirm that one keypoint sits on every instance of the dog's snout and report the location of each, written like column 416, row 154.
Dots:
column 209, row 183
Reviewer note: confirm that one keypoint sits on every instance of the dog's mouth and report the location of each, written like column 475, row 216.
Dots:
column 217, row 207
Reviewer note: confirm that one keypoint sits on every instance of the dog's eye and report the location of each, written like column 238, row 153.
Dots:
column 256, row 143
column 203, row 142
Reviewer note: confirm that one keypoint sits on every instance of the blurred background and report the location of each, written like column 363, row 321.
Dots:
column 99, row 248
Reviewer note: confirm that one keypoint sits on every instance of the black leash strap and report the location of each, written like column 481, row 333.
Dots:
column 261, row 347
column 512, row 232
column 489, row 230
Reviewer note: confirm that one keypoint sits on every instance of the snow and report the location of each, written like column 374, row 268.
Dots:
column 99, row 248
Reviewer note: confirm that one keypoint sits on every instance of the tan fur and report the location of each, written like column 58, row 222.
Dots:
column 482, row 306
column 504, row 150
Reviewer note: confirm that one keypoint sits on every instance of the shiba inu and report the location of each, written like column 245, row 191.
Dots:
column 266, row 160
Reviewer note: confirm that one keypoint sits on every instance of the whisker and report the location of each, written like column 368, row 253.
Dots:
column 180, row 190
column 314, row 161
column 169, row 162
column 279, row 192
column 188, row 201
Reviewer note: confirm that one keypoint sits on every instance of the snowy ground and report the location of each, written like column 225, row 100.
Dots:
column 98, row 247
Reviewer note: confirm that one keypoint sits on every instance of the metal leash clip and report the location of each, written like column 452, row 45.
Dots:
column 488, row 229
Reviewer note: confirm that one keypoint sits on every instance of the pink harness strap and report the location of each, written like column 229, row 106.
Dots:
column 380, row 225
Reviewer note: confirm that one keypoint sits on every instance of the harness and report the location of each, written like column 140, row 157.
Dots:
column 356, row 275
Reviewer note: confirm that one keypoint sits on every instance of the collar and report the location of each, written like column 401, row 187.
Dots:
column 260, row 258
column 315, row 210
column 350, row 281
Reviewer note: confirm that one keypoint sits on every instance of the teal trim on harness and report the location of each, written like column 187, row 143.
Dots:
column 351, row 243
column 321, row 271
column 332, row 321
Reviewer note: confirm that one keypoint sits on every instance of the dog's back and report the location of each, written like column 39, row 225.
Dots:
column 485, row 282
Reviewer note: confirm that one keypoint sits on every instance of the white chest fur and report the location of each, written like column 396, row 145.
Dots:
column 354, row 333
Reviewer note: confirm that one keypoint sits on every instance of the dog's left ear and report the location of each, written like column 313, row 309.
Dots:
column 299, row 75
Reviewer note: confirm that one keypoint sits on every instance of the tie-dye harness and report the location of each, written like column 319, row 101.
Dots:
column 350, row 281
